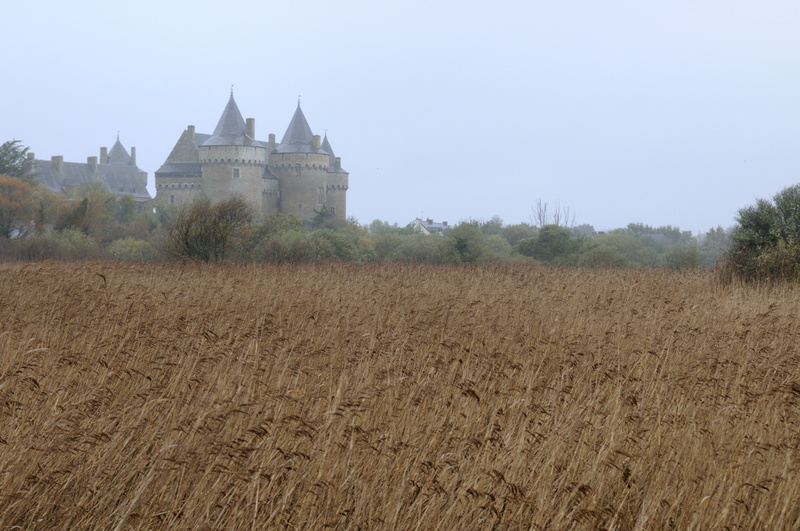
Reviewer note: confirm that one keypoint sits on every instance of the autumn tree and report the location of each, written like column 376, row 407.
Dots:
column 205, row 231
column 17, row 205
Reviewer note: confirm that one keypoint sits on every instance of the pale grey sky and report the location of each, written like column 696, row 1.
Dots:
column 661, row 112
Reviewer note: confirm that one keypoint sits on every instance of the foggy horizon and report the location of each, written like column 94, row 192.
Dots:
column 677, row 114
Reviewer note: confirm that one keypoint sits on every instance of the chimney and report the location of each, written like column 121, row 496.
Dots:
column 315, row 142
column 58, row 160
column 92, row 162
column 31, row 156
column 190, row 129
column 103, row 155
column 271, row 141
column 250, row 128
column 337, row 163
column 133, row 156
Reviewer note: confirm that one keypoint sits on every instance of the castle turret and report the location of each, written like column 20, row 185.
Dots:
column 337, row 182
column 232, row 161
column 300, row 175
column 301, row 165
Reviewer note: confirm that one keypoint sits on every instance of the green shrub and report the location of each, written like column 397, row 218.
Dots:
column 75, row 243
column 132, row 249
column 602, row 256
column 682, row 257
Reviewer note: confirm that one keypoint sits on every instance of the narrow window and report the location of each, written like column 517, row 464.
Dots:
column 297, row 169
column 333, row 211
column 320, row 195
column 171, row 199
column 236, row 173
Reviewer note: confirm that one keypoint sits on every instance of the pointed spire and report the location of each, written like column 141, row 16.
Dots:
column 231, row 128
column 298, row 133
column 118, row 154
column 327, row 145
column 231, row 121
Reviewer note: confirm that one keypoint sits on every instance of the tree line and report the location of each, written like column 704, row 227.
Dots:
column 92, row 223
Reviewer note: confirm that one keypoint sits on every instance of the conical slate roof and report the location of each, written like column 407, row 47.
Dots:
column 230, row 129
column 119, row 155
column 298, row 136
column 327, row 146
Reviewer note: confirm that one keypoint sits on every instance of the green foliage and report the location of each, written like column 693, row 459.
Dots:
column 780, row 262
column 585, row 230
column 14, row 161
column 497, row 248
column 166, row 214
column 516, row 233
column 662, row 237
column 277, row 223
column 553, row 244
column 69, row 244
column 716, row 243
column 766, row 238
column 132, row 249
column 123, row 209
column 602, row 256
column 91, row 212
column 633, row 250
column 682, row 257
column 74, row 241
column 49, row 208
column 323, row 218
column 107, row 217
column 492, row 227
column 468, row 242
column 347, row 246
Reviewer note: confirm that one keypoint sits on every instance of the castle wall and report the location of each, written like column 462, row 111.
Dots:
column 270, row 194
column 178, row 190
column 227, row 163
column 303, row 187
column 233, row 170
column 337, row 184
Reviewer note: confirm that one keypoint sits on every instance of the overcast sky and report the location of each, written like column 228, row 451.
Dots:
column 661, row 112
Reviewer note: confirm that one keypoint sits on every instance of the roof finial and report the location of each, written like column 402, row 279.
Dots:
column 298, row 100
column 117, row 135
column 231, row 91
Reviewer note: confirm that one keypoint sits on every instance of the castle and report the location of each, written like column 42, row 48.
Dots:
column 116, row 171
column 300, row 175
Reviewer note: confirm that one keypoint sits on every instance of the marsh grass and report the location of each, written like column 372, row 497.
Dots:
column 402, row 397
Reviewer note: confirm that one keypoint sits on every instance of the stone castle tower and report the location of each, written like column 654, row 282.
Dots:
column 300, row 176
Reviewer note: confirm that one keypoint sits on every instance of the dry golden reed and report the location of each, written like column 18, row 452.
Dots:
column 395, row 397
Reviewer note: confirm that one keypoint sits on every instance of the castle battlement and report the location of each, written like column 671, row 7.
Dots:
column 299, row 175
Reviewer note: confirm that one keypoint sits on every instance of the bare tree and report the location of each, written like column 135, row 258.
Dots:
column 540, row 213
column 204, row 231
column 559, row 216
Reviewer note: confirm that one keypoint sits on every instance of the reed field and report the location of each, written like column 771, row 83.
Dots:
column 395, row 397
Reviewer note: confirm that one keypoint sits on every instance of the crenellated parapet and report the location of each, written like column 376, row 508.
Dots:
column 233, row 156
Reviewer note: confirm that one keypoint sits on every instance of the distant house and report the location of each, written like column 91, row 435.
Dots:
column 116, row 170
column 428, row 226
